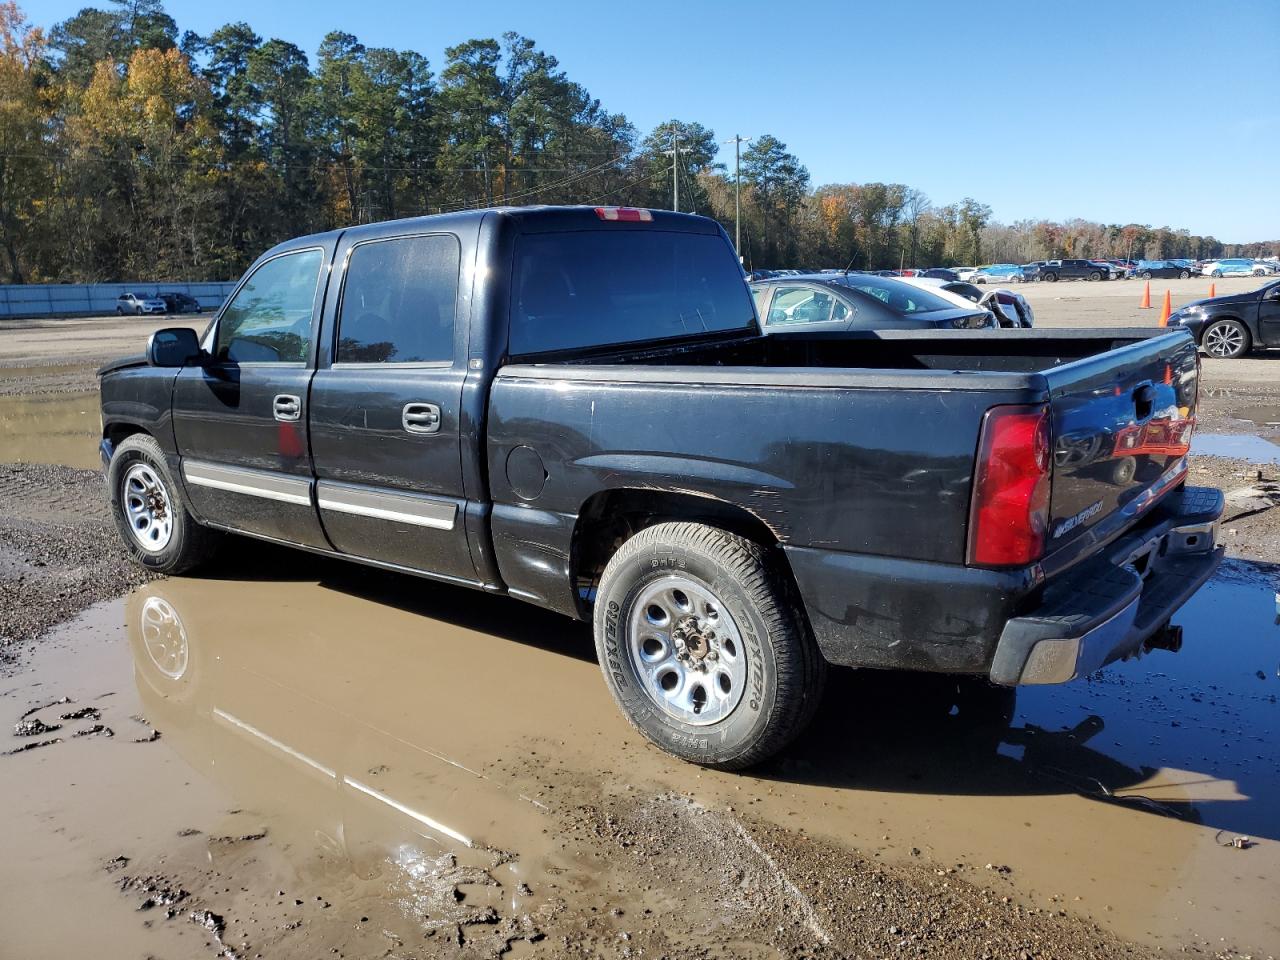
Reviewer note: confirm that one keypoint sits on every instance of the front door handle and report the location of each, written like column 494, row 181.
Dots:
column 420, row 418
column 287, row 407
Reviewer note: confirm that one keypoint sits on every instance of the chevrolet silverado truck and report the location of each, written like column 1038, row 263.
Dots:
column 575, row 407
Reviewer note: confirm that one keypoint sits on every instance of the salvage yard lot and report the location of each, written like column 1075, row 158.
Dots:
column 340, row 718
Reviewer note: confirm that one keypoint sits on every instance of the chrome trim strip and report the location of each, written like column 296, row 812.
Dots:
column 416, row 509
column 255, row 483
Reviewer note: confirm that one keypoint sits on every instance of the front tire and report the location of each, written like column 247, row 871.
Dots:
column 1050, row 278
column 1225, row 339
column 155, row 526
column 1217, row 274
column 1184, row 275
column 704, row 646
column 1095, row 276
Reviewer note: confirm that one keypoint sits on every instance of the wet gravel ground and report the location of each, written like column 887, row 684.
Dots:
column 59, row 553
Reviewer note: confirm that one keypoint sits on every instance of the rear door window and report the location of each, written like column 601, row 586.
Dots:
column 800, row 305
column 596, row 288
column 398, row 301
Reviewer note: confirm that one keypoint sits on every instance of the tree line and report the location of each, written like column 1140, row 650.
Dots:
column 129, row 150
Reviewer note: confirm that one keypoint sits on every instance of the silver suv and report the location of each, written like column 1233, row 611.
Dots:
column 139, row 303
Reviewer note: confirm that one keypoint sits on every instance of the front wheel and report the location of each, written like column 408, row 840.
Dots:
column 157, row 530
column 1095, row 276
column 1184, row 275
column 1227, row 339
column 704, row 647
column 1050, row 278
column 1216, row 274
column 1147, row 275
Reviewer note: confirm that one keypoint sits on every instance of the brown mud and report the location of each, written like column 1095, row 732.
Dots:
column 369, row 763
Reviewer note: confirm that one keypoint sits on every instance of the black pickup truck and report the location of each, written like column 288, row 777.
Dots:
column 575, row 407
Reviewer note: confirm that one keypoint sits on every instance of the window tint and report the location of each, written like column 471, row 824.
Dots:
column 269, row 321
column 902, row 297
column 840, row 312
column 598, row 287
column 398, row 301
column 800, row 305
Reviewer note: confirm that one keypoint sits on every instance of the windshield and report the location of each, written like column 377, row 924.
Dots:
column 902, row 297
column 597, row 288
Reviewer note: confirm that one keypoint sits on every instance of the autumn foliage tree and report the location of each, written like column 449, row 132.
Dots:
column 132, row 151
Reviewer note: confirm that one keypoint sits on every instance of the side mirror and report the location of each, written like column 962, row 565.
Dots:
column 173, row 347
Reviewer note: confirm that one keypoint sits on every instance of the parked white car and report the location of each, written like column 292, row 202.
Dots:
column 964, row 273
column 1010, row 309
column 1234, row 267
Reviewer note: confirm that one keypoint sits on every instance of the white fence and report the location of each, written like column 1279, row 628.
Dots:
column 72, row 299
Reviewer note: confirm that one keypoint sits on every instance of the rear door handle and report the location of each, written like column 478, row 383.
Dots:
column 287, row 407
column 420, row 418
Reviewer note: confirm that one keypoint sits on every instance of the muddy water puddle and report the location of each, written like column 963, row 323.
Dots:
column 372, row 761
column 1241, row 446
column 59, row 429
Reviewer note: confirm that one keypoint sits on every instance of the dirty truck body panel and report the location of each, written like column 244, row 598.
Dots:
column 498, row 398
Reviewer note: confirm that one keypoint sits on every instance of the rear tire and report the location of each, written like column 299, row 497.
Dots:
column 155, row 526
column 689, row 614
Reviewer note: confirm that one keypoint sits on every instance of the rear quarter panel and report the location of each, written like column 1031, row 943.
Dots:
column 865, row 470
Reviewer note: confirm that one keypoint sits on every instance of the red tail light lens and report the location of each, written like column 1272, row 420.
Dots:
column 1010, row 510
column 629, row 214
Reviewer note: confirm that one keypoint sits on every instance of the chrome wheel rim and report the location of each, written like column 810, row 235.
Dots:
column 147, row 508
column 1223, row 340
column 686, row 650
column 165, row 638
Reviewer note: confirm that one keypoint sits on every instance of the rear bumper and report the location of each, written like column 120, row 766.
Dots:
column 1114, row 606
column 874, row 611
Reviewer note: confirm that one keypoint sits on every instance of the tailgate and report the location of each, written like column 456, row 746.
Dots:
column 1121, row 423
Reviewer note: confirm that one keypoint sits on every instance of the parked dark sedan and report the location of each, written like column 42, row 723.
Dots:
column 941, row 273
column 822, row 302
column 180, row 303
column 1163, row 269
column 1233, row 325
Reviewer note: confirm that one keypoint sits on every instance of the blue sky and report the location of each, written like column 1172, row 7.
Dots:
column 1162, row 113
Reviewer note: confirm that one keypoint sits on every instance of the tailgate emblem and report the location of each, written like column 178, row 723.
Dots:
column 1066, row 526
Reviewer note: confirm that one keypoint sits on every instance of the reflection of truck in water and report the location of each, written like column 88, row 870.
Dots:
column 575, row 407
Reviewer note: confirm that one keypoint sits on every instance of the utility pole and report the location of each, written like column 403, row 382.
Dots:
column 737, row 141
column 674, row 153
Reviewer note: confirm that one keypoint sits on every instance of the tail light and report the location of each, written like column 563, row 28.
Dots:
column 629, row 214
column 1010, row 510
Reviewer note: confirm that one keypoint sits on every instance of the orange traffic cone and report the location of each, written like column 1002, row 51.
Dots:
column 1213, row 289
column 1146, row 297
column 1167, row 311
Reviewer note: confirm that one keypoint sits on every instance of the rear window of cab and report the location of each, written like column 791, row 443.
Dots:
column 593, row 288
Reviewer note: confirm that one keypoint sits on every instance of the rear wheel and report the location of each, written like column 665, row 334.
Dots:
column 147, row 506
column 704, row 647
column 1227, row 339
